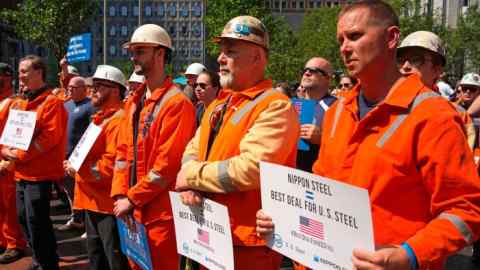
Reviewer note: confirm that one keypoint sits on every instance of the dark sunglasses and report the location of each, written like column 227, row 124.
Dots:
column 202, row 85
column 469, row 88
column 415, row 60
column 345, row 85
column 313, row 70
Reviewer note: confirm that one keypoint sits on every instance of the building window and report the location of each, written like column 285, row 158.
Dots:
column 135, row 11
column 172, row 10
column 172, row 30
column 113, row 50
column 197, row 30
column 277, row 5
column 113, row 31
column 196, row 50
column 148, row 11
column 124, row 52
column 197, row 10
column 294, row 4
column 161, row 10
column 184, row 49
column 284, row 4
column 124, row 11
column 184, row 10
column 301, row 4
column 124, row 30
column 111, row 11
column 184, row 30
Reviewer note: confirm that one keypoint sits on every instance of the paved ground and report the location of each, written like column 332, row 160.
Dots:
column 73, row 256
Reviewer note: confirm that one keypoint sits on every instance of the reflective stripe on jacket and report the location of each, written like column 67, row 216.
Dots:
column 260, row 124
column 411, row 153
column 166, row 124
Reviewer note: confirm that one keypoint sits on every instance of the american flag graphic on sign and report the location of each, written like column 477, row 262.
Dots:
column 311, row 227
column 203, row 236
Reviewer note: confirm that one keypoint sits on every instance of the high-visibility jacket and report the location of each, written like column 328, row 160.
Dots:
column 10, row 233
column 259, row 124
column 411, row 153
column 166, row 124
column 94, row 178
column 43, row 159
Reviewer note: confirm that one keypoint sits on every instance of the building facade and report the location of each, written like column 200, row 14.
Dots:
column 181, row 18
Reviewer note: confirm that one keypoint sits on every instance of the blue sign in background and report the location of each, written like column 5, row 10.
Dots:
column 134, row 242
column 306, row 114
column 80, row 48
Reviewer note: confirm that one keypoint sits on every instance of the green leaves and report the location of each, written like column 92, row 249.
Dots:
column 50, row 23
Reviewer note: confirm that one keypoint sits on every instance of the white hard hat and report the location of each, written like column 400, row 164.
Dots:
column 195, row 69
column 426, row 40
column 72, row 70
column 109, row 73
column 150, row 34
column 471, row 79
column 136, row 78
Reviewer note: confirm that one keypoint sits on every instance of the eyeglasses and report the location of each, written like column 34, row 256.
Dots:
column 97, row 86
column 314, row 70
column 345, row 85
column 470, row 89
column 415, row 60
column 202, row 85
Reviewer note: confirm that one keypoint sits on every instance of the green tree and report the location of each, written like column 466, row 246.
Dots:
column 282, row 38
column 469, row 37
column 50, row 23
column 317, row 37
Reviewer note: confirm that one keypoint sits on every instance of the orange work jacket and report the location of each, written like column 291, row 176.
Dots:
column 94, row 178
column 166, row 124
column 259, row 124
column 43, row 159
column 410, row 152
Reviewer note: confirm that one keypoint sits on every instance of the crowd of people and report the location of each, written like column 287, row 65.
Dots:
column 391, row 126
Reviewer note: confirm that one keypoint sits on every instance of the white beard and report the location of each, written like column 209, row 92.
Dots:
column 226, row 81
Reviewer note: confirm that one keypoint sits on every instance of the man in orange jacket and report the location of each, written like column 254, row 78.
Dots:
column 248, row 122
column 159, row 122
column 12, row 244
column 34, row 178
column 94, row 178
column 405, row 144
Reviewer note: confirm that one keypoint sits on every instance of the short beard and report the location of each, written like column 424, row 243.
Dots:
column 226, row 81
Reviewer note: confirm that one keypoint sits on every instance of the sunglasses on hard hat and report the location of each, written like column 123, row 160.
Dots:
column 314, row 70
column 201, row 85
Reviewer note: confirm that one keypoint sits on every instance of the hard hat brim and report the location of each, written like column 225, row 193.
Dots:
column 218, row 40
column 128, row 45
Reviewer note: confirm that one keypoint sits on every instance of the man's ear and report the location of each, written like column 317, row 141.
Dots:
column 393, row 35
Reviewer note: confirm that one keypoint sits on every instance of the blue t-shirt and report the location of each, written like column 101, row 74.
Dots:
column 79, row 114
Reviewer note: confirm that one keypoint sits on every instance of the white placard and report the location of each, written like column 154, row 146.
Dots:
column 318, row 221
column 84, row 145
column 18, row 131
column 203, row 233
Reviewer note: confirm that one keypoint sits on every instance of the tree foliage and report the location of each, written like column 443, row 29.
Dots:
column 50, row 23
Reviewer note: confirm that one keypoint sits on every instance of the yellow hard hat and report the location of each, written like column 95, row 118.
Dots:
column 245, row 28
column 150, row 34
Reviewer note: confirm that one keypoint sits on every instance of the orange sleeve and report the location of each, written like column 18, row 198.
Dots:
column 178, row 127
column 50, row 127
column 120, row 169
column 102, row 168
column 449, row 176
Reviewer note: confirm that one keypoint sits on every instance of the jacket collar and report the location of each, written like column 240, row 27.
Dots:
column 401, row 95
column 249, row 93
